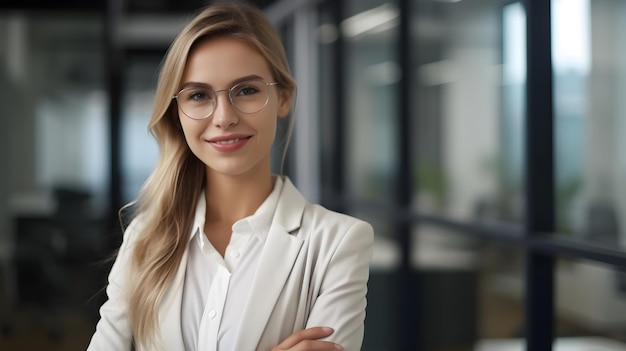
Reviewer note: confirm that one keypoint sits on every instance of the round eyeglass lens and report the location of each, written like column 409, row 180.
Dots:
column 248, row 97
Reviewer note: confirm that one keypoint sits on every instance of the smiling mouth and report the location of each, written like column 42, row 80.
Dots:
column 230, row 141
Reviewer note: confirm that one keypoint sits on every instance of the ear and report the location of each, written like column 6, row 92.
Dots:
column 284, row 102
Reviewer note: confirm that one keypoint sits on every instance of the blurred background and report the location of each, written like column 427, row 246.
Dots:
column 483, row 140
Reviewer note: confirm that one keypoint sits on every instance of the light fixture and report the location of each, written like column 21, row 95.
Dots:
column 374, row 20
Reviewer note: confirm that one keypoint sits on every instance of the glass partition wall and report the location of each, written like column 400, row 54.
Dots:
column 481, row 139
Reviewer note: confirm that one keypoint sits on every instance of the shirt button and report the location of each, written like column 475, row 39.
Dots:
column 212, row 314
column 234, row 254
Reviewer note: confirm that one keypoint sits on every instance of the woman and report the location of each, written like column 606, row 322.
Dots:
column 224, row 255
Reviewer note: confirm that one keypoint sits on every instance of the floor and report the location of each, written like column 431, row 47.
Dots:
column 66, row 323
column 29, row 331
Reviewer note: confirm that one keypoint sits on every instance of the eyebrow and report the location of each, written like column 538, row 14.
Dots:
column 192, row 84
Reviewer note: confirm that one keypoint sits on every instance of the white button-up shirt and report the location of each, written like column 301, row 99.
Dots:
column 216, row 288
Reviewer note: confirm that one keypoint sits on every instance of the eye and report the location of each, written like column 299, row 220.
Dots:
column 198, row 95
column 246, row 89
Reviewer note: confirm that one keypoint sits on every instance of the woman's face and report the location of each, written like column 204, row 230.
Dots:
column 230, row 142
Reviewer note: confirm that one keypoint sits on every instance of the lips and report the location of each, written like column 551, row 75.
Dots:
column 228, row 139
column 229, row 143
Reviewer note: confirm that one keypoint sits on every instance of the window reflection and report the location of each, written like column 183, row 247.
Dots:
column 469, row 78
column 371, row 74
column 590, row 116
column 139, row 149
column 71, row 142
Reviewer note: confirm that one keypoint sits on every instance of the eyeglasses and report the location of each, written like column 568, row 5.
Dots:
column 248, row 97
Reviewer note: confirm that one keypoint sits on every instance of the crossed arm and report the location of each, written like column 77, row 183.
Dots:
column 308, row 340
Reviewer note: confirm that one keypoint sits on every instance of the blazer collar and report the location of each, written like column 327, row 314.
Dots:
column 290, row 207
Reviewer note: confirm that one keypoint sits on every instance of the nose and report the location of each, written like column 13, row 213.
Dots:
column 224, row 114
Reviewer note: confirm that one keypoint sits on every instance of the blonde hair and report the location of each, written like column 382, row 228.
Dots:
column 168, row 198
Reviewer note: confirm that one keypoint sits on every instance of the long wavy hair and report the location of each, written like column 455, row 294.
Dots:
column 167, row 200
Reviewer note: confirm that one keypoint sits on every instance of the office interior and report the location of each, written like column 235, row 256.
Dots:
column 481, row 138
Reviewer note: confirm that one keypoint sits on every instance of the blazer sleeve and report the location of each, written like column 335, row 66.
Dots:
column 113, row 329
column 342, row 296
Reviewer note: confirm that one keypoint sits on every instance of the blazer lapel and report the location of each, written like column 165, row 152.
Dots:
column 279, row 254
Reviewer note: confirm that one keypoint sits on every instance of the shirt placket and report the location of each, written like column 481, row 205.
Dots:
column 212, row 316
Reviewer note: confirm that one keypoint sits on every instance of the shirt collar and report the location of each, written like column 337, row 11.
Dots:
column 257, row 224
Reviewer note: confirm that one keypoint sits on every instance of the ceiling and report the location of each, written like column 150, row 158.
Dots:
column 132, row 6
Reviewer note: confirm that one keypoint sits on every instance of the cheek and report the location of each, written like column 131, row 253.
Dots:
column 191, row 130
column 270, row 126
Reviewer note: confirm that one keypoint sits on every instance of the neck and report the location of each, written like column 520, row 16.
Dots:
column 230, row 199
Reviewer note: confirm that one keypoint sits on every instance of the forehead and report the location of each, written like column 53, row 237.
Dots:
column 221, row 61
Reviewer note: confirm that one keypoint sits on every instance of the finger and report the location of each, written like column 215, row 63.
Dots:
column 305, row 334
column 316, row 345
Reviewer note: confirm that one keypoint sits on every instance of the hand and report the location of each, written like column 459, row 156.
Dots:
column 307, row 340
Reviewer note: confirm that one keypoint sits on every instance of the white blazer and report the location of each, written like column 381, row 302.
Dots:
column 313, row 271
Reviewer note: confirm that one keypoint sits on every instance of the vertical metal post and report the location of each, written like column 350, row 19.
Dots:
column 306, row 131
column 114, row 72
column 408, row 291
column 540, row 202
column 339, row 137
